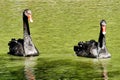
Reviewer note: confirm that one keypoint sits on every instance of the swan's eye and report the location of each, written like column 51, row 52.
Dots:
column 29, row 12
column 103, row 23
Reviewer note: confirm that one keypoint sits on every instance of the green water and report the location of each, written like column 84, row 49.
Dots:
column 58, row 26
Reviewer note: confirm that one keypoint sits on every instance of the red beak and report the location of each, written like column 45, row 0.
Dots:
column 30, row 18
column 104, row 29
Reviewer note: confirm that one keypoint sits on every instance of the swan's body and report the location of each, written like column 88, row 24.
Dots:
column 26, row 46
column 92, row 48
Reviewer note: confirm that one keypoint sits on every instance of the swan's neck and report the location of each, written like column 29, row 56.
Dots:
column 102, row 40
column 26, row 25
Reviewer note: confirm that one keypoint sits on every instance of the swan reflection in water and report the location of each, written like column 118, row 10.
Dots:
column 103, row 64
column 29, row 68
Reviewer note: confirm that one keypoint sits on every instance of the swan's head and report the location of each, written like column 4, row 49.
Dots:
column 103, row 26
column 28, row 14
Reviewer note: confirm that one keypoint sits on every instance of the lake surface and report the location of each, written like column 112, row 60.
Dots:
column 58, row 26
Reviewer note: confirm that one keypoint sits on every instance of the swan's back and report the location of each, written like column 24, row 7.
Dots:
column 16, row 47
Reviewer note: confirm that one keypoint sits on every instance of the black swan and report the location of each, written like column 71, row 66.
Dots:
column 92, row 48
column 24, row 47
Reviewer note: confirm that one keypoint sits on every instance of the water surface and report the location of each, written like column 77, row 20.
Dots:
column 58, row 25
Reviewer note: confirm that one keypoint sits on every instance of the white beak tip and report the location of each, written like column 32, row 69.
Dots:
column 104, row 33
column 31, row 20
